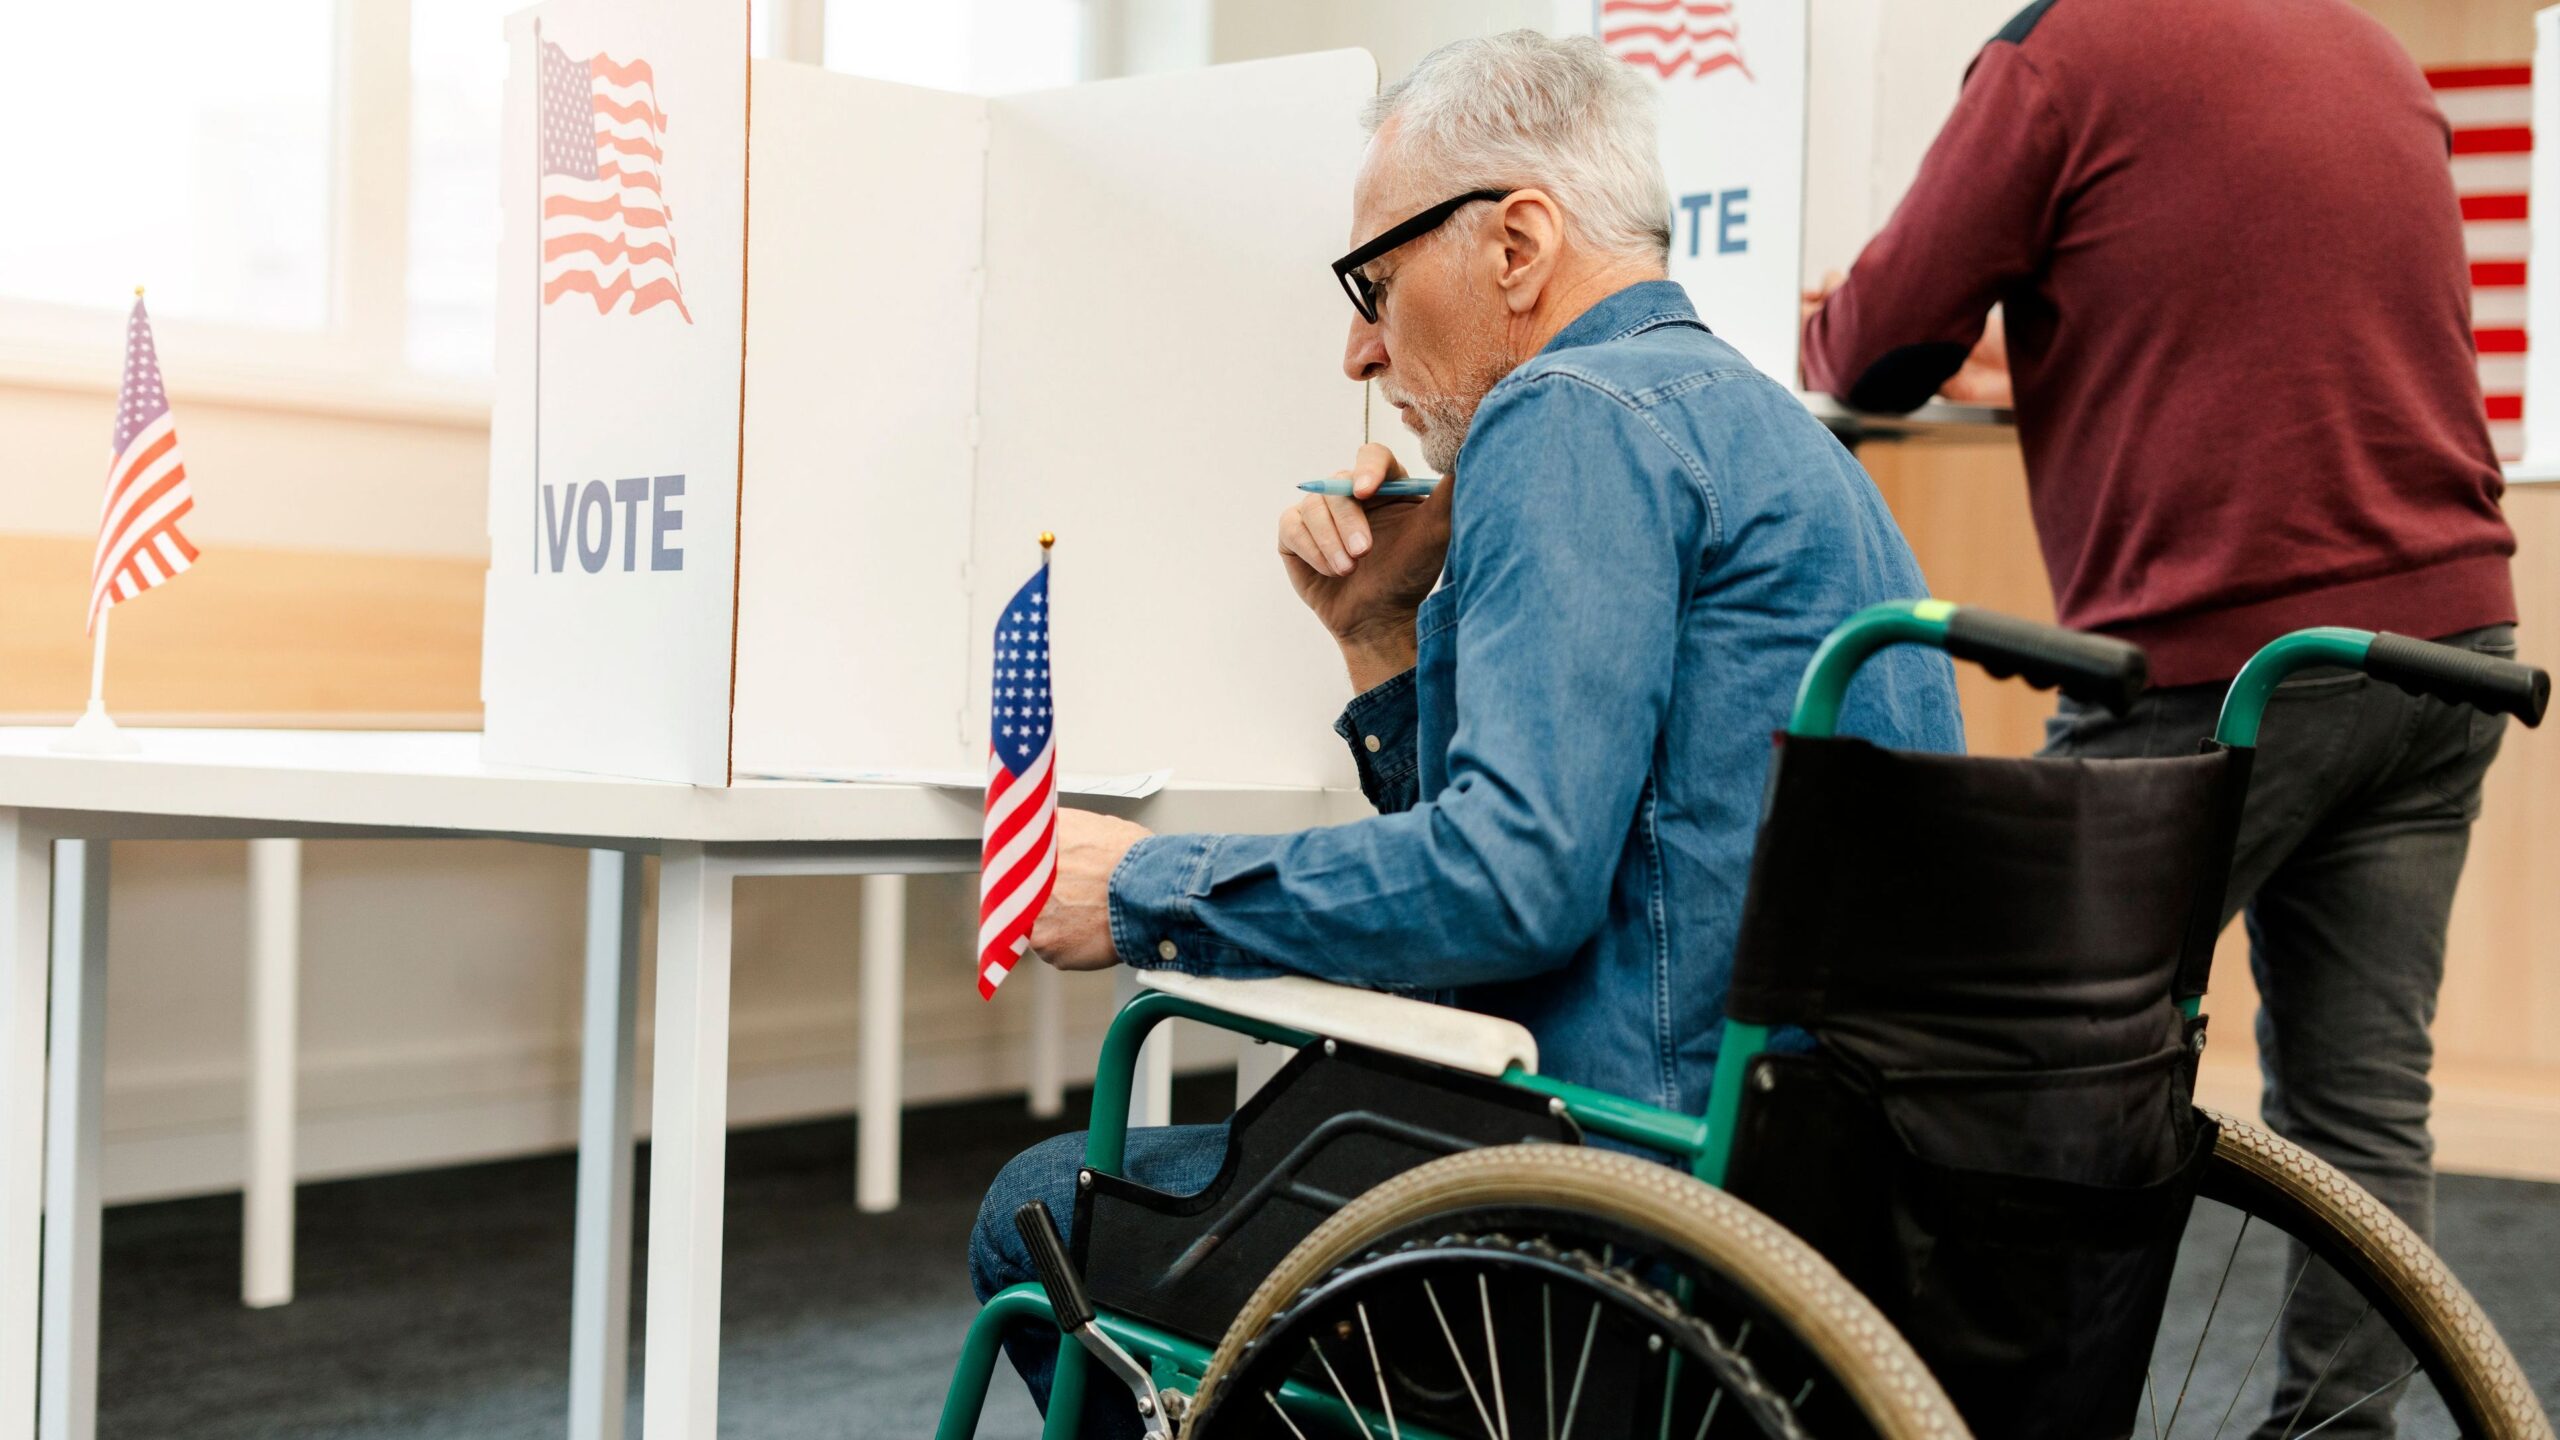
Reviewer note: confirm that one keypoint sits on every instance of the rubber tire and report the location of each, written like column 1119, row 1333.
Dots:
column 2266, row 1176
column 1748, row 1249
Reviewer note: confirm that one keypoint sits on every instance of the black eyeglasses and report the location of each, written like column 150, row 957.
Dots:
column 1347, row 269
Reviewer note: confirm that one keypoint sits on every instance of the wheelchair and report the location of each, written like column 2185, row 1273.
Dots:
column 1959, row 1211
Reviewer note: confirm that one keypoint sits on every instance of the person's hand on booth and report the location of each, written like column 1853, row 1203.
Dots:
column 1073, row 931
column 1984, row 379
column 1365, row 571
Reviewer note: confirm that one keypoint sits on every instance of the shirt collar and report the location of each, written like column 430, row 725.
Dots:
column 1638, row 307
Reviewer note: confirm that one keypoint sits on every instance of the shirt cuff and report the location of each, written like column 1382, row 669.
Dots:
column 1154, row 919
column 1379, row 725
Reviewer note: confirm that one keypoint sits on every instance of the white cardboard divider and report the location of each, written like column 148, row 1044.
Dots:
column 1162, row 363
column 1732, row 87
column 1102, row 311
column 867, row 217
column 613, row 441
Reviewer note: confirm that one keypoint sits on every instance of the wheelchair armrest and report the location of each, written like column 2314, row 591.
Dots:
column 1416, row 1029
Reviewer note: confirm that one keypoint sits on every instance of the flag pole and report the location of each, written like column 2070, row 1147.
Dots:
column 98, row 666
column 94, row 733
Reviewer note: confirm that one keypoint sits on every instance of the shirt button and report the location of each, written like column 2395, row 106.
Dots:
column 1371, row 741
column 1165, row 950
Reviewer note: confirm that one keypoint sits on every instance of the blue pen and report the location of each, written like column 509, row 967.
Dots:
column 1414, row 489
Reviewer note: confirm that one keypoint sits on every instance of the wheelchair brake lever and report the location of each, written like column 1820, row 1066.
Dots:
column 1075, row 1314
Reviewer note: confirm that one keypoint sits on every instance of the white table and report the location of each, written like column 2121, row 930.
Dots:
column 335, row 785
column 274, row 987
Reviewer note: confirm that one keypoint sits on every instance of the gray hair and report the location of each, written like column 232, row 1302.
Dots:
column 1521, row 109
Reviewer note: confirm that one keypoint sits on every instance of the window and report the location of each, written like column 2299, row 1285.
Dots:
column 457, row 81
column 248, row 162
column 989, row 46
column 166, row 164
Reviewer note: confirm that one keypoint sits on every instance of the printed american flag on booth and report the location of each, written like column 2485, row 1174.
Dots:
column 1673, row 38
column 607, row 233
column 1018, row 862
column 2490, row 108
column 139, row 543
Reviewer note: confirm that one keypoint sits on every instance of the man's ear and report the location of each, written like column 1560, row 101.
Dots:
column 1530, row 229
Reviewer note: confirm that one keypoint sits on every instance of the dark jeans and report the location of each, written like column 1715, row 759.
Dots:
column 2359, row 816
column 1180, row 1159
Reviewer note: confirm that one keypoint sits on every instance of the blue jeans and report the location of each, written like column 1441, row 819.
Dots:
column 1178, row 1159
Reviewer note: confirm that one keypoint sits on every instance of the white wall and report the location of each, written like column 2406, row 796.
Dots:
column 263, row 474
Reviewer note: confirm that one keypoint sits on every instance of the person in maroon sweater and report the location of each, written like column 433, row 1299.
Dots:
column 2224, row 241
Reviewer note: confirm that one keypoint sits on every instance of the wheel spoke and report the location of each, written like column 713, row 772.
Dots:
column 2325, row 1368
column 1342, row 1390
column 1713, row 1401
column 1463, row 1372
column 1573, row 1397
column 1493, row 1358
column 2151, row 1392
column 2219, row 1286
column 1547, row 1339
column 1274, row 1402
column 2260, row 1352
column 2360, row 1401
column 1741, row 1338
column 1386, row 1405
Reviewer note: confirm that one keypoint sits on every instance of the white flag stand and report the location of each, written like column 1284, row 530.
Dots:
column 95, row 734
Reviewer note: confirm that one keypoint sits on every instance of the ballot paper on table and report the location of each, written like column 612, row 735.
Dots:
column 1135, row 786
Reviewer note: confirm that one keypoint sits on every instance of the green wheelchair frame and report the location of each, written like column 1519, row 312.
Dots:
column 1702, row 1145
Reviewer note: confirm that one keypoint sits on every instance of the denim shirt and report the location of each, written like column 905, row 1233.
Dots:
column 1648, row 539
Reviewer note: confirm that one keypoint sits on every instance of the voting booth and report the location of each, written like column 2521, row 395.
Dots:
column 794, row 367
column 800, row 379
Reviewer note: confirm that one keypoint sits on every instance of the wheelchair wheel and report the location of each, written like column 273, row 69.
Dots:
column 2274, row 1226
column 1541, row 1290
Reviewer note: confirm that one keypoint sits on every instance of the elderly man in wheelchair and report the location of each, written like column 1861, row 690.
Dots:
column 1959, row 1212
column 1582, row 1138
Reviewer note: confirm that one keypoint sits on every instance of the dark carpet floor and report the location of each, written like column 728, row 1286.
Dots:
column 436, row 1304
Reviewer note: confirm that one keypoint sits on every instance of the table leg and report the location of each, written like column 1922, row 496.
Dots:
column 600, row 1290
column 1048, row 1085
column 884, row 977
column 26, row 903
column 275, row 970
column 67, row 1402
column 689, row 1110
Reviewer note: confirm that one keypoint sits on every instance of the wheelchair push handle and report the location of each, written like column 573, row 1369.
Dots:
column 2443, row 672
column 1067, row 1297
column 2094, row 669
column 2463, row 677
column 2091, row 668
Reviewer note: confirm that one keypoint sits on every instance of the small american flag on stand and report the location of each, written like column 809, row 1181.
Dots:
column 1672, row 38
column 139, row 544
column 1019, row 858
column 605, row 223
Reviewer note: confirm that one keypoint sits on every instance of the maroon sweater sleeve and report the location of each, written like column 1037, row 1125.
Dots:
column 1976, row 220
